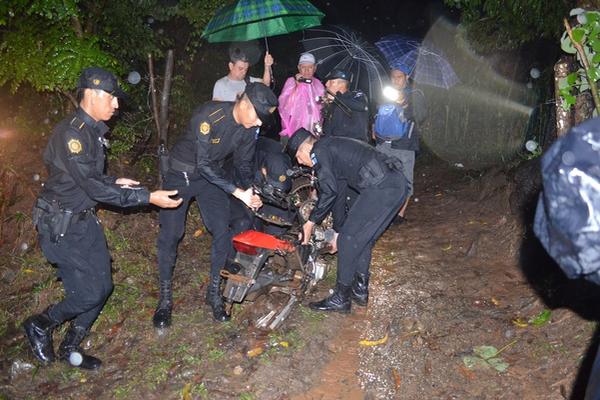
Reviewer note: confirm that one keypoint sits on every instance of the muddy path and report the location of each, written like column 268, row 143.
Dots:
column 462, row 273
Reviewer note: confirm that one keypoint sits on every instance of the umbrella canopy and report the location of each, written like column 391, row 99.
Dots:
column 423, row 65
column 337, row 47
column 253, row 19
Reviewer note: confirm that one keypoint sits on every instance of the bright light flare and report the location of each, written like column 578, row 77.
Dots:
column 390, row 93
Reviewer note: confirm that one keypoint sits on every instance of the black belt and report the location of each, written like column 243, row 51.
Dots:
column 181, row 166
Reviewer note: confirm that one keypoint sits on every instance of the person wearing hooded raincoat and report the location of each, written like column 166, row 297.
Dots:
column 567, row 220
column 298, row 106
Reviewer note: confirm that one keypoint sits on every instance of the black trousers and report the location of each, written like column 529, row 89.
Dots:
column 214, row 205
column 369, row 216
column 83, row 265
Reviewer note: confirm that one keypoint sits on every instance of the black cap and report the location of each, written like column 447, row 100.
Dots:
column 99, row 78
column 296, row 140
column 262, row 98
column 338, row 74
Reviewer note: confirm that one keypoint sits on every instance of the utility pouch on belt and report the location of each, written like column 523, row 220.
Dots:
column 50, row 219
column 371, row 174
column 393, row 164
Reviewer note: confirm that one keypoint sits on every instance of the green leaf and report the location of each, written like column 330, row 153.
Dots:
column 498, row 364
column 541, row 318
column 566, row 44
column 572, row 78
column 474, row 362
column 485, row 352
column 578, row 34
column 592, row 16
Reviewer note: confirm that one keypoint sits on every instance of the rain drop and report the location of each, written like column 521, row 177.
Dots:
column 24, row 247
column 161, row 31
column 534, row 73
column 416, row 200
column 47, row 121
column 150, row 20
column 529, row 85
column 568, row 158
column 36, row 177
column 134, row 77
column 531, row 145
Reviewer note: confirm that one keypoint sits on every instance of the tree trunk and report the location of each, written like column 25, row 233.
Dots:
column 153, row 95
column 564, row 119
column 164, row 101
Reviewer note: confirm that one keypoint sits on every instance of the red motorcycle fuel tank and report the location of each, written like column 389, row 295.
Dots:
column 247, row 242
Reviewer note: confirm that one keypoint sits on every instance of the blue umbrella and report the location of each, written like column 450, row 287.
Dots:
column 422, row 64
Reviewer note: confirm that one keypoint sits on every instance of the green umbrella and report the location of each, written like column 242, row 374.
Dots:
column 253, row 19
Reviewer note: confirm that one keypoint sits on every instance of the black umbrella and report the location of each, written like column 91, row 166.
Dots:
column 339, row 47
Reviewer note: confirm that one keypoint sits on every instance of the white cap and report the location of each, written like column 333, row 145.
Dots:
column 306, row 58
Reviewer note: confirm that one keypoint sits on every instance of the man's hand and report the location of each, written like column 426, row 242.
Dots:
column 126, row 182
column 268, row 59
column 161, row 198
column 248, row 197
column 307, row 229
column 333, row 244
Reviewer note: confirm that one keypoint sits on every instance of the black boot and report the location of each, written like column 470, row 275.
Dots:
column 339, row 301
column 70, row 351
column 215, row 300
column 38, row 329
column 162, row 315
column 360, row 289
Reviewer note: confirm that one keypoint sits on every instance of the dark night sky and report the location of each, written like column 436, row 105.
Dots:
column 377, row 18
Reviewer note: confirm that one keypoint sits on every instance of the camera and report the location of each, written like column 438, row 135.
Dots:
column 304, row 80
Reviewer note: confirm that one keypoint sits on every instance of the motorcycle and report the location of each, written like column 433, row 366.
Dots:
column 265, row 263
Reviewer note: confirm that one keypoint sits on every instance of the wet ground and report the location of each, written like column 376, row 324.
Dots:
column 463, row 305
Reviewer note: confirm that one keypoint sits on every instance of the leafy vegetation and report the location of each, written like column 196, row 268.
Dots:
column 583, row 41
column 46, row 43
column 507, row 24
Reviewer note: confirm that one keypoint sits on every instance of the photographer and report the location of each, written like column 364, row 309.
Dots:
column 298, row 106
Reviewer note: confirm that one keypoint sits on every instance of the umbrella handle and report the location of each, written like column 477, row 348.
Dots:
column 272, row 84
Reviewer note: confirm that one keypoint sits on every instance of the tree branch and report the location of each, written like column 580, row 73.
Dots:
column 70, row 97
column 77, row 26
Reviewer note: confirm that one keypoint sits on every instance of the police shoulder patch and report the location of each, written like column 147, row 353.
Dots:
column 204, row 128
column 282, row 178
column 74, row 146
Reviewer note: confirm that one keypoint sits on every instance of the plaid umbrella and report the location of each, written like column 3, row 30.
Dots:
column 422, row 64
column 253, row 19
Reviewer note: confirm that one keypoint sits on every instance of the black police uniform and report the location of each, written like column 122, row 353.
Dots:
column 354, row 123
column 381, row 191
column 70, row 234
column 270, row 156
column 196, row 170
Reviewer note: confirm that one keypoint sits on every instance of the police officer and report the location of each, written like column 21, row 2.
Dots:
column 381, row 191
column 271, row 165
column 347, row 112
column 69, row 232
column 216, row 131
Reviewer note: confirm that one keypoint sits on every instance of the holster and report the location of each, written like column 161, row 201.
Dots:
column 50, row 219
column 163, row 161
column 371, row 174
